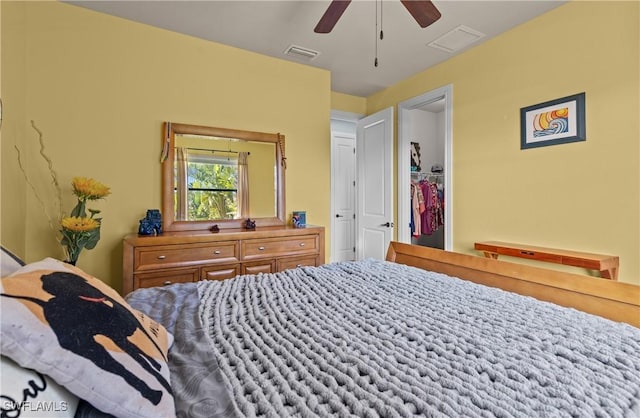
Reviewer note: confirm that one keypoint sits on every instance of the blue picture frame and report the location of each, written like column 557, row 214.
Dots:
column 558, row 121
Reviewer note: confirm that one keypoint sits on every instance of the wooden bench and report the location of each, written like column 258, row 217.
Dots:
column 607, row 265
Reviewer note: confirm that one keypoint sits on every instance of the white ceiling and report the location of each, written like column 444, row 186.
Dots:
column 270, row 27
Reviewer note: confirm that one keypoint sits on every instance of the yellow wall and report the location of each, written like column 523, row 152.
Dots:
column 99, row 88
column 584, row 195
column 0, row 116
column 13, row 109
column 348, row 103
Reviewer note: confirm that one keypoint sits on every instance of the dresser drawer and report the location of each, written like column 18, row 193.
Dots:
column 173, row 256
column 165, row 277
column 219, row 272
column 291, row 263
column 264, row 266
column 273, row 247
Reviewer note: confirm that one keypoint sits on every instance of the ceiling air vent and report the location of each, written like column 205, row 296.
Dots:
column 300, row 52
column 457, row 39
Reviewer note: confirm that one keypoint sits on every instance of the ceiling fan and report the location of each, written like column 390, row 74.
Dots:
column 423, row 11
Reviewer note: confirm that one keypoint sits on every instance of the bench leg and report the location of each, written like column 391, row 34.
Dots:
column 611, row 274
column 489, row 254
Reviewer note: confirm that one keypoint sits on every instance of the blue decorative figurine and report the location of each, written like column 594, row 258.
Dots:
column 151, row 224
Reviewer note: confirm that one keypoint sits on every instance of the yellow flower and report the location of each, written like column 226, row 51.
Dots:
column 78, row 224
column 89, row 189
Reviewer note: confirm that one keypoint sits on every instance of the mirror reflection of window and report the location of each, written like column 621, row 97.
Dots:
column 210, row 180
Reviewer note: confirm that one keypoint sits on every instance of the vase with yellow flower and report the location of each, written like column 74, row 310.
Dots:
column 79, row 230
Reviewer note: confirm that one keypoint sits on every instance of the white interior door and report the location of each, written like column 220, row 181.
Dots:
column 343, row 186
column 374, row 203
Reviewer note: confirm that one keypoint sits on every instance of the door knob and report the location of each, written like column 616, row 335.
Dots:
column 339, row 216
column 387, row 224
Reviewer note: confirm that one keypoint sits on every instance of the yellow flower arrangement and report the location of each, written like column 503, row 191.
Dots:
column 76, row 224
column 80, row 231
column 89, row 189
column 77, row 231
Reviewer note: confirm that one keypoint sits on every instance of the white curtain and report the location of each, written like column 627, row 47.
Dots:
column 181, row 184
column 243, row 185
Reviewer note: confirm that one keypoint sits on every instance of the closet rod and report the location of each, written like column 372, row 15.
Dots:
column 422, row 173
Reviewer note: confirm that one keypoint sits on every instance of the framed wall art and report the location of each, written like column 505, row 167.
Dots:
column 554, row 122
column 415, row 157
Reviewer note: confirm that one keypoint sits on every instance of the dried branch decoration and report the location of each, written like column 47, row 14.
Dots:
column 54, row 181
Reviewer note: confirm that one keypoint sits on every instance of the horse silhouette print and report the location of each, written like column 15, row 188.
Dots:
column 78, row 312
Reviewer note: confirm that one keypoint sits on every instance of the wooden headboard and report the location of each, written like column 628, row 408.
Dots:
column 617, row 301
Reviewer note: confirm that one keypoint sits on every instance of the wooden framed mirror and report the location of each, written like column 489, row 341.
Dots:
column 218, row 176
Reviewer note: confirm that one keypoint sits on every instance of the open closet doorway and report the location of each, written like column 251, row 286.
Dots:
column 424, row 169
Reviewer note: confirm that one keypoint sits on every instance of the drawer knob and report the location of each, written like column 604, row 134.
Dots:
column 261, row 248
column 302, row 244
column 216, row 252
column 167, row 283
column 298, row 265
column 162, row 257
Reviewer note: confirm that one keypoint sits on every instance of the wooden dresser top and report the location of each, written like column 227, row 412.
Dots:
column 184, row 237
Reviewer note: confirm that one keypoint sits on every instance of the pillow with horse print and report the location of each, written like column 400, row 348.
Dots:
column 74, row 328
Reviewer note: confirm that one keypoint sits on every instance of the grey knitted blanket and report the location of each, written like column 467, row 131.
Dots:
column 373, row 338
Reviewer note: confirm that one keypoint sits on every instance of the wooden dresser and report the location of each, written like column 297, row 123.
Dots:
column 188, row 256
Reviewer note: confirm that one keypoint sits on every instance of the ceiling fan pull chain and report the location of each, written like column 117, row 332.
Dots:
column 381, row 17
column 375, row 61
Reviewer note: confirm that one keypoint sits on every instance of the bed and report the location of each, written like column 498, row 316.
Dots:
column 424, row 333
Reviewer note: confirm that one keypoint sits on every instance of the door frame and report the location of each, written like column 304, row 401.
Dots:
column 340, row 115
column 404, row 164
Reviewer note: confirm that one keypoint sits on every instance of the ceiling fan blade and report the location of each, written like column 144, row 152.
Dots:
column 423, row 11
column 331, row 16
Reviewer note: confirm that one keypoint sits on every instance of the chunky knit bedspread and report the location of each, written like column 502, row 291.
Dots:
column 374, row 338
